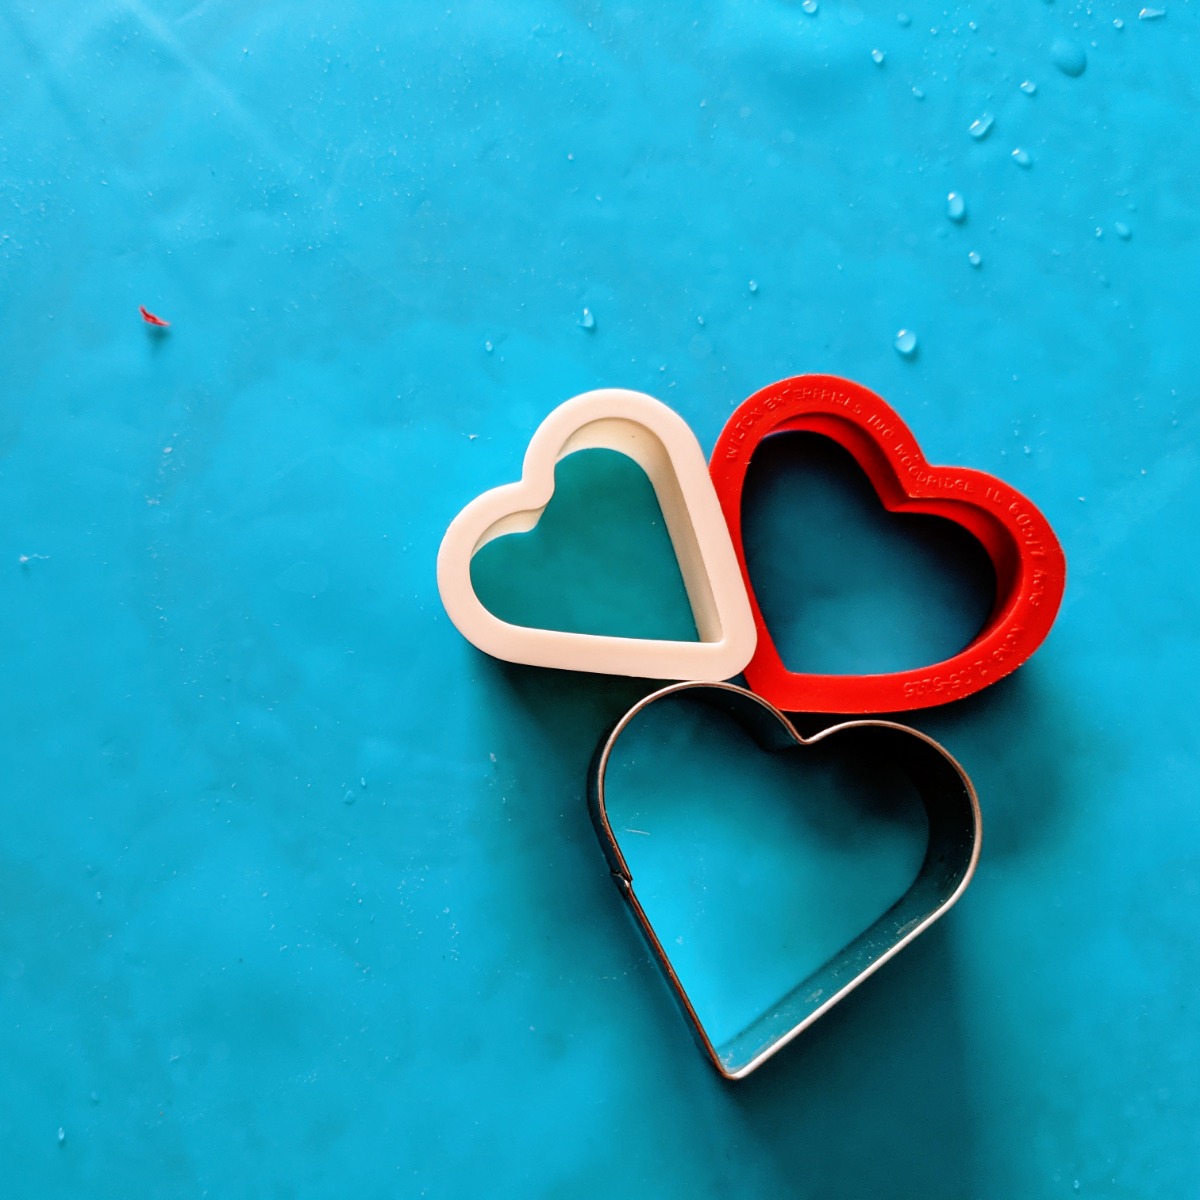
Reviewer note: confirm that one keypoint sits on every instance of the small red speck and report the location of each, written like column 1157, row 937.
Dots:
column 150, row 318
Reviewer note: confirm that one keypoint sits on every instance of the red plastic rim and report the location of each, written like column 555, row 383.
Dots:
column 1027, row 558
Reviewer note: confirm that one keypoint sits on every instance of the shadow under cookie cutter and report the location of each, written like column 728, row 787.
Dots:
column 951, row 855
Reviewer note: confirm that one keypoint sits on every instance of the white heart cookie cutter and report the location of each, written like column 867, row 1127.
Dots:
column 661, row 443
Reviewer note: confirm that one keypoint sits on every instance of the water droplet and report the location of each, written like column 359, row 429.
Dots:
column 877, row 56
column 587, row 321
column 810, row 7
column 753, row 286
column 700, row 320
column 362, row 781
column 1029, row 87
column 62, row 1135
column 1022, row 158
column 348, row 798
column 981, row 127
column 1151, row 14
column 906, row 343
column 1118, row 23
column 1069, row 57
column 488, row 347
column 956, row 207
column 974, row 259
column 94, row 1097
column 903, row 20
column 918, row 93
column 1122, row 230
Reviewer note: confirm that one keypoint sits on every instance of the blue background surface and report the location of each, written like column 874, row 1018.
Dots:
column 298, row 892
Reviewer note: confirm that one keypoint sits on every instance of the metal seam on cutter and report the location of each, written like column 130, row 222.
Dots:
column 951, row 855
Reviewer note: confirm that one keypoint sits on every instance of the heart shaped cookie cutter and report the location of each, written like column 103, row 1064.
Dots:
column 661, row 443
column 951, row 854
column 1026, row 556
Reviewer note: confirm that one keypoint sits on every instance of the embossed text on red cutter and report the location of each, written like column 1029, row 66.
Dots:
column 1027, row 558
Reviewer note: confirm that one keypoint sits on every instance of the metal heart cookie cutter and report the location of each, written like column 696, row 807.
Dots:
column 951, row 854
column 661, row 443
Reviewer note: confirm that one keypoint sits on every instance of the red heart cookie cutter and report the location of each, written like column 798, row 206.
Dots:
column 1028, row 561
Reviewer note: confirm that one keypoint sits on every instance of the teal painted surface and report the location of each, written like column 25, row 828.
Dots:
column 228, row 965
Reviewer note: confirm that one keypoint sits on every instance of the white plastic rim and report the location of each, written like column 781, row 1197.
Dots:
column 660, row 442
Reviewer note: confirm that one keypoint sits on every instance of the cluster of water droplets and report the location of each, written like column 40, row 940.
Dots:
column 1067, row 55
column 1070, row 58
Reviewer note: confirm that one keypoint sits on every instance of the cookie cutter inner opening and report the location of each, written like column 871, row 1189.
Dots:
column 644, row 447
column 817, row 581
column 989, row 530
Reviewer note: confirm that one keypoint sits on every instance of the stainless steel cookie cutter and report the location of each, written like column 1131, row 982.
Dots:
column 951, row 854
